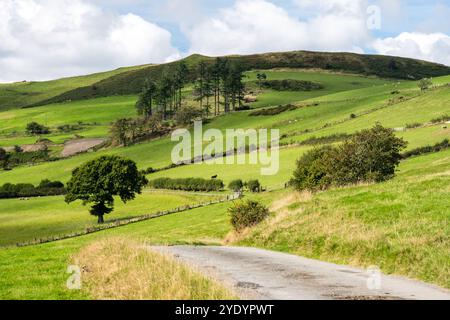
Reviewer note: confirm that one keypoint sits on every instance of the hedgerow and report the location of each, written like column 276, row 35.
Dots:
column 188, row 184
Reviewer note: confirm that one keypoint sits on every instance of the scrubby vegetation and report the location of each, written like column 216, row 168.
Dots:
column 369, row 156
column 273, row 111
column 35, row 128
column 189, row 184
column 26, row 190
column 253, row 186
column 236, row 185
column 125, row 132
column 246, row 214
column 445, row 144
column 290, row 85
column 441, row 119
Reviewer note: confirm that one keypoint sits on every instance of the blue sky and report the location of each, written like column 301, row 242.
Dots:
column 44, row 39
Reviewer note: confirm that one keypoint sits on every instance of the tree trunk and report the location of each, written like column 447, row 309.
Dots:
column 101, row 220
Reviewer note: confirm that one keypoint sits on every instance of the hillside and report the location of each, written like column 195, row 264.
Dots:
column 369, row 65
column 22, row 94
column 401, row 225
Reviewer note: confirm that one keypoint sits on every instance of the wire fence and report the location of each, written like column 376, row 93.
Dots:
column 123, row 222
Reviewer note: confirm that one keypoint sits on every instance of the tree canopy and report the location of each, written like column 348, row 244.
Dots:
column 99, row 180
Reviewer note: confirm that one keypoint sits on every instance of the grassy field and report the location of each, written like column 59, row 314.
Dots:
column 95, row 116
column 16, row 95
column 401, row 225
column 13, row 122
column 380, row 224
column 39, row 218
column 39, row 272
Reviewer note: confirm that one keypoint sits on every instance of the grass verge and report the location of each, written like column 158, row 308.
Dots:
column 119, row 269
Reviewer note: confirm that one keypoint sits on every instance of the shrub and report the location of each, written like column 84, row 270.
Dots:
column 424, row 84
column 189, row 184
column 273, row 111
column 413, row 125
column 325, row 139
column 312, row 171
column 246, row 214
column 186, row 115
column 254, row 186
column 243, row 108
column 445, row 144
column 19, row 158
column 370, row 155
column 236, row 185
column 35, row 128
column 4, row 158
column 440, row 119
column 45, row 188
column 291, row 85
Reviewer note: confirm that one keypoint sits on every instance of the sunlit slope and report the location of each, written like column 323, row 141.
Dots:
column 17, row 95
column 373, row 65
column 97, row 114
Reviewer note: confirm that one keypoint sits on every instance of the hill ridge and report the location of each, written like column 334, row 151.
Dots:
column 130, row 82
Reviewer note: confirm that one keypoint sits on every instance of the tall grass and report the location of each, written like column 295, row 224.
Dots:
column 118, row 269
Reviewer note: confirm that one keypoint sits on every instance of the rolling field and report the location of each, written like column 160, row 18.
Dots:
column 17, row 95
column 401, row 225
column 37, row 218
column 362, row 225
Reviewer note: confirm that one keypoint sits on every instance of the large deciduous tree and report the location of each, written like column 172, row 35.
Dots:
column 98, row 181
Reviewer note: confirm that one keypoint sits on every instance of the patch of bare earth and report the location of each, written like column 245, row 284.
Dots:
column 74, row 147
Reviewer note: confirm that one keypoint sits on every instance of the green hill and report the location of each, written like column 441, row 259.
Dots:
column 369, row 65
column 22, row 94
column 400, row 225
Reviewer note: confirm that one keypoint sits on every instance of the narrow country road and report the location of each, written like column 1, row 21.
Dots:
column 261, row 274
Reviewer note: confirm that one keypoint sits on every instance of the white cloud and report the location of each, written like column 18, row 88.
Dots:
column 431, row 47
column 43, row 39
column 257, row 26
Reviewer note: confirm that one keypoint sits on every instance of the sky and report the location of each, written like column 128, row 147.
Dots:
column 49, row 39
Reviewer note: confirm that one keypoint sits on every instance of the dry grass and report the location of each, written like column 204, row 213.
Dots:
column 118, row 269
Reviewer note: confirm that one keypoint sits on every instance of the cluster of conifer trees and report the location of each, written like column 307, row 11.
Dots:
column 218, row 87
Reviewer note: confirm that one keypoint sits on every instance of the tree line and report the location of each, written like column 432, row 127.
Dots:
column 217, row 88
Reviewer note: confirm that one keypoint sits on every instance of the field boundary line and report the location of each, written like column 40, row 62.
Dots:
column 122, row 222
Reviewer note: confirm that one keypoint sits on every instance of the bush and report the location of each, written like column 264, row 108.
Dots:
column 242, row 108
column 45, row 188
column 187, row 115
column 236, row 185
column 291, row 85
column 246, row 214
column 4, row 158
column 189, row 184
column 370, row 155
column 325, row 139
column 273, row 111
column 35, row 128
column 440, row 119
column 445, row 144
column 19, row 158
column 254, row 186
column 312, row 171
column 413, row 125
